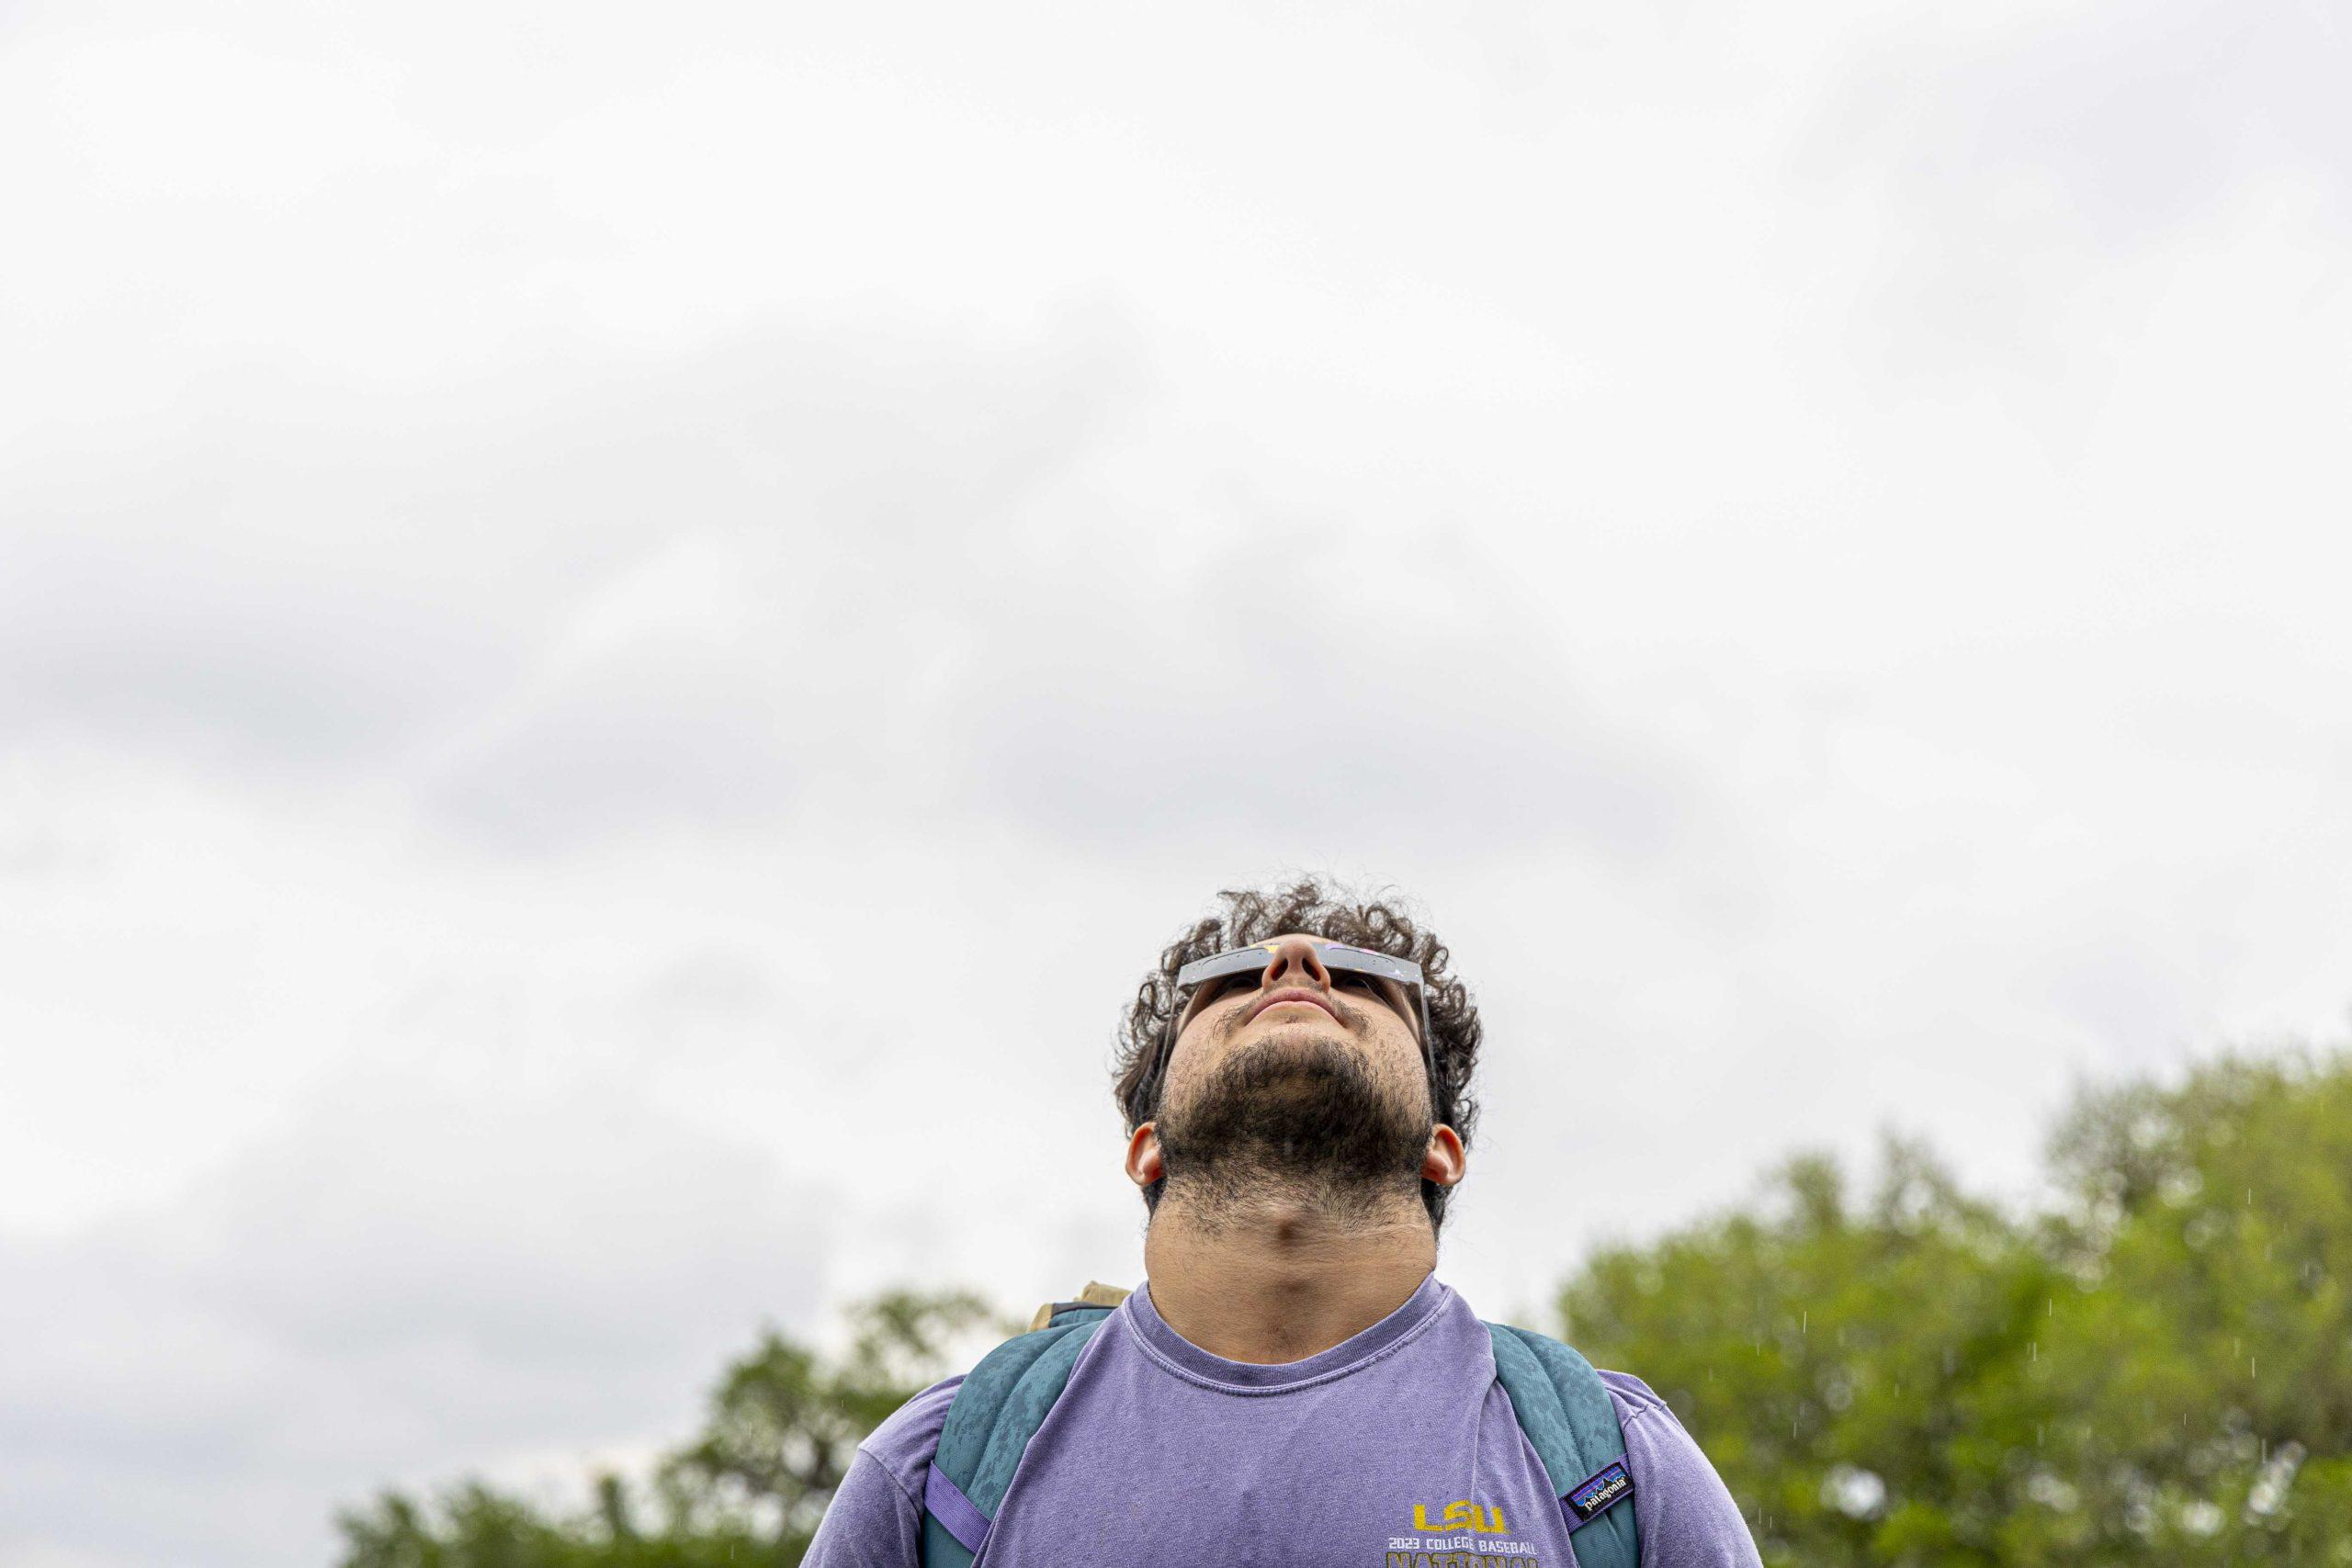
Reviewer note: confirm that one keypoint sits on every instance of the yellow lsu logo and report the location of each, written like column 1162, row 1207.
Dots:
column 1463, row 1514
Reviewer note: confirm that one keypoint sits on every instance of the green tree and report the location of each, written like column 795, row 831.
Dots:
column 747, row 1493
column 2157, row 1367
column 2203, row 1357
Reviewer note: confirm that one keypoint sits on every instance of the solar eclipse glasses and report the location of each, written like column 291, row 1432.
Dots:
column 1248, row 963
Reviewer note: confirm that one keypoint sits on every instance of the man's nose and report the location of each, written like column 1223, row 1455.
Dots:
column 1293, row 962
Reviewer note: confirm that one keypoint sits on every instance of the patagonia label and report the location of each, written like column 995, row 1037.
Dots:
column 1611, row 1484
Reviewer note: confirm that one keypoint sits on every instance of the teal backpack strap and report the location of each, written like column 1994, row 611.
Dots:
column 1571, row 1422
column 997, row 1409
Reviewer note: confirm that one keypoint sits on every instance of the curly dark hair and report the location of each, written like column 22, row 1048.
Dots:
column 1253, row 916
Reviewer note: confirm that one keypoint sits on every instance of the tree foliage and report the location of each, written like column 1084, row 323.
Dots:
column 747, row 1493
column 2157, row 1366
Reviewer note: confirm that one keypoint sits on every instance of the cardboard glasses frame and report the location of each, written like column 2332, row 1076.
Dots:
column 1333, row 955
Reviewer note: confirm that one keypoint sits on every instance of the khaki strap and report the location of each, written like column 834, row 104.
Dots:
column 1096, row 1295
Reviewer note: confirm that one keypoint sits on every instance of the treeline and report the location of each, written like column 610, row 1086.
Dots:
column 2156, row 1367
column 746, row 1494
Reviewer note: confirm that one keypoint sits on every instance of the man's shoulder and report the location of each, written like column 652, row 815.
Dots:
column 1688, row 1516
column 1633, row 1396
column 1652, row 1431
column 907, row 1438
column 875, row 1520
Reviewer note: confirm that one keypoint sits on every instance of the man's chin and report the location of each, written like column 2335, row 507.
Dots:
column 1290, row 1058
column 1297, row 1104
column 1292, row 1047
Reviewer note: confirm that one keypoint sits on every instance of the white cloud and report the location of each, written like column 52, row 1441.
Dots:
column 403, row 1283
column 616, row 649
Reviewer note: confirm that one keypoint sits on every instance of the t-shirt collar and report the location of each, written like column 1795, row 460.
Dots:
column 1181, row 1354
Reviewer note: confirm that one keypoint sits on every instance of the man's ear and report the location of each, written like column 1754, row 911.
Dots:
column 1445, row 1161
column 1145, row 1163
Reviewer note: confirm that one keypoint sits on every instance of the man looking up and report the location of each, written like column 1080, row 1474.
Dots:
column 1291, row 1383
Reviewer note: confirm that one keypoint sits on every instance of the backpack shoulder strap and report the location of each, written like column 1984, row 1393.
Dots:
column 1571, row 1422
column 1096, row 1295
column 997, row 1409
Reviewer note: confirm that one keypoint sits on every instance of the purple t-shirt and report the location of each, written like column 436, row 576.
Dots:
column 1159, row 1455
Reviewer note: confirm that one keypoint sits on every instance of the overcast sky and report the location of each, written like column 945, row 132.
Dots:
column 623, row 632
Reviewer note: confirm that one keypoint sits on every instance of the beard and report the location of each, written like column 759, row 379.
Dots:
column 1301, row 1120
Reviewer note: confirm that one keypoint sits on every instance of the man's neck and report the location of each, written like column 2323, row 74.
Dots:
column 1283, row 1279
